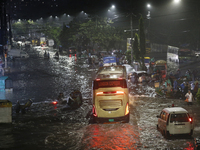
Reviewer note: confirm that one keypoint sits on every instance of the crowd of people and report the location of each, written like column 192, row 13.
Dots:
column 183, row 86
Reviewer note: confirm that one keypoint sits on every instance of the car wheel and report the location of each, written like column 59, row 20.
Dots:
column 127, row 119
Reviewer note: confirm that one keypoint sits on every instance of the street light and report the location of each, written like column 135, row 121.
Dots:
column 177, row 1
column 149, row 14
column 113, row 6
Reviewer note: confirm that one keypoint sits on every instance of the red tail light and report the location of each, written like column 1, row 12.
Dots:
column 127, row 109
column 114, row 92
column 190, row 120
column 94, row 111
column 54, row 102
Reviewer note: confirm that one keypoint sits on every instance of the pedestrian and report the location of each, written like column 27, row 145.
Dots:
column 175, row 85
column 189, row 97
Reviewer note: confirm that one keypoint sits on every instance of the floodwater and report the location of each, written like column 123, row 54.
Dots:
column 48, row 126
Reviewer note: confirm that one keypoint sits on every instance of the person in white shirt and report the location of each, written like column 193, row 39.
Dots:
column 189, row 97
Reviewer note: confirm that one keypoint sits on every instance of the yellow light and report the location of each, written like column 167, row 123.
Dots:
column 99, row 93
column 127, row 109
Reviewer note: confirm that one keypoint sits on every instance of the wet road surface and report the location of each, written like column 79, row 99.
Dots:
column 48, row 126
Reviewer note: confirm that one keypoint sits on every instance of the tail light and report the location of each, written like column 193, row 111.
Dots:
column 119, row 92
column 99, row 93
column 190, row 120
column 54, row 102
column 94, row 111
column 114, row 92
column 127, row 109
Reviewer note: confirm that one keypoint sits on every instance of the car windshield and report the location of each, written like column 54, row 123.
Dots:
column 179, row 118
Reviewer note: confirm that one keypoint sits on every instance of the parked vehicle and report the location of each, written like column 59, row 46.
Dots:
column 14, row 53
column 175, row 121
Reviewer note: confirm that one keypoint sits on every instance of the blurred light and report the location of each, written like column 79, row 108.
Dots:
column 113, row 6
column 68, row 15
column 148, row 5
column 65, row 14
column 55, row 102
column 108, row 9
column 82, row 11
column 177, row 1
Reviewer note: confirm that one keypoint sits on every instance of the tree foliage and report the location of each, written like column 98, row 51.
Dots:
column 52, row 32
column 22, row 28
column 94, row 32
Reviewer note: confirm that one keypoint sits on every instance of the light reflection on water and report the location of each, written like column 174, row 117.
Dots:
column 40, row 79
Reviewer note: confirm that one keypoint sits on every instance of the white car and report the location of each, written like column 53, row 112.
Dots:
column 175, row 121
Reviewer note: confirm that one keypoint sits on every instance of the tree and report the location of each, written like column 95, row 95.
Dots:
column 23, row 28
column 52, row 32
column 142, row 40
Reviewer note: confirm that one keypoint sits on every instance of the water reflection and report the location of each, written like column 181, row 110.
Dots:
column 111, row 136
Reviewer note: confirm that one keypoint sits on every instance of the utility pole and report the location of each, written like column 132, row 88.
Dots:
column 131, row 39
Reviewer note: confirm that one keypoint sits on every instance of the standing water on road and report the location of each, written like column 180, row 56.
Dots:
column 48, row 126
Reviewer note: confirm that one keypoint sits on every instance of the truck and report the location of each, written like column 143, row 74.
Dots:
column 16, row 53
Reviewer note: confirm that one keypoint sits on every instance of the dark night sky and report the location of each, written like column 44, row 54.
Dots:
column 34, row 9
column 177, row 21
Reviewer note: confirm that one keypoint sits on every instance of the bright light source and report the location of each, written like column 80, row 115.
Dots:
column 68, row 15
column 177, row 1
column 113, row 6
column 148, row 5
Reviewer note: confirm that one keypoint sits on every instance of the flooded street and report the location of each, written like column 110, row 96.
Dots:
column 49, row 126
